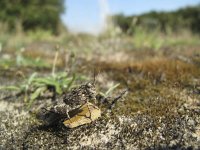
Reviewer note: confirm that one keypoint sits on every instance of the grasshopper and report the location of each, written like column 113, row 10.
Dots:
column 77, row 108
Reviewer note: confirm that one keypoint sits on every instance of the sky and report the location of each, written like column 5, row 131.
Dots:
column 89, row 15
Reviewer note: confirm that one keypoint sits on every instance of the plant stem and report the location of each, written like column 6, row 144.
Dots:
column 55, row 61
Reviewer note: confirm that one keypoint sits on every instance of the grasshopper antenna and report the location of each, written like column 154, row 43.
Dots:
column 94, row 77
column 116, row 99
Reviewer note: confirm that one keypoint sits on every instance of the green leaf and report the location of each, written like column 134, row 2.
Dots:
column 58, row 89
column 32, row 77
column 12, row 88
column 61, row 75
column 71, row 82
column 47, row 81
column 35, row 95
column 51, row 82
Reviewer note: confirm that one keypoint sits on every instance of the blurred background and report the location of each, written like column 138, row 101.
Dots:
column 39, row 19
column 30, row 30
column 92, row 16
column 23, row 22
column 111, row 30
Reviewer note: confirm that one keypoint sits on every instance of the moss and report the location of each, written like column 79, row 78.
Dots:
column 154, row 84
column 160, row 69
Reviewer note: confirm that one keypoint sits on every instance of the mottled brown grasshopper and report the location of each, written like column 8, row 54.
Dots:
column 78, row 107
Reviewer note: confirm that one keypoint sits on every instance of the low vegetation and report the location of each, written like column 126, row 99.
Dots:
column 165, row 22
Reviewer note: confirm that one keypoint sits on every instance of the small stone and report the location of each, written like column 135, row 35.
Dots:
column 191, row 122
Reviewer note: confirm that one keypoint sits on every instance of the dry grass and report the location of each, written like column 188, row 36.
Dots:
column 160, row 69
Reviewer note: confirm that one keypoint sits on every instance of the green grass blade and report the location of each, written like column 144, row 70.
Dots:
column 111, row 89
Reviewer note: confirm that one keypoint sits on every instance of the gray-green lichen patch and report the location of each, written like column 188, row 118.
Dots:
column 19, row 130
column 14, row 124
